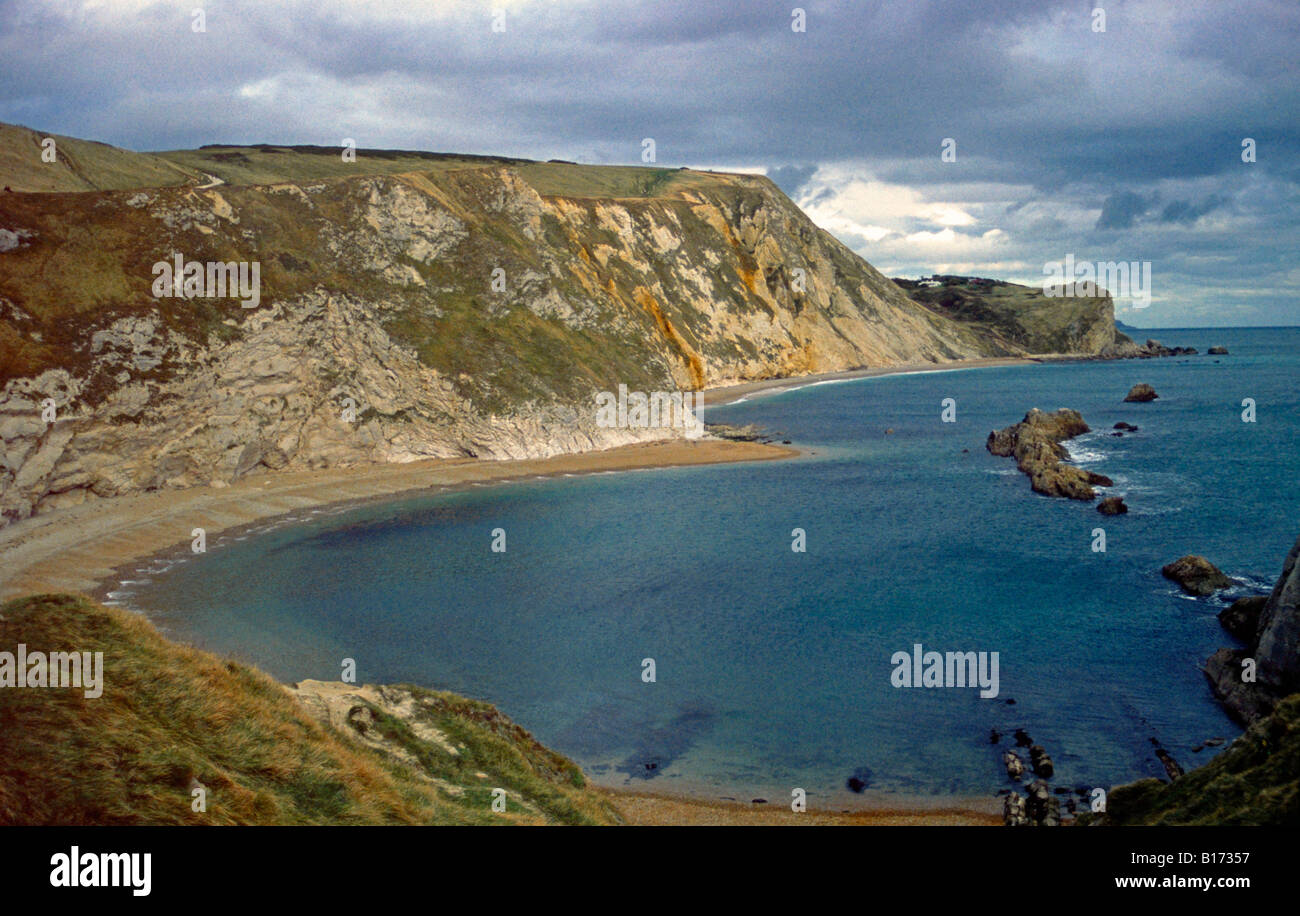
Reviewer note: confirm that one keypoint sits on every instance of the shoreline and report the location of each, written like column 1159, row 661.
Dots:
column 80, row 548
column 731, row 394
column 41, row 555
column 642, row 808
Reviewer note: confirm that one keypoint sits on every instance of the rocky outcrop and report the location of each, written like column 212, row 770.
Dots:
column 1035, row 443
column 1217, row 351
column 1197, row 575
column 1112, row 505
column 1241, row 618
column 1015, row 766
column 1141, row 393
column 1251, row 681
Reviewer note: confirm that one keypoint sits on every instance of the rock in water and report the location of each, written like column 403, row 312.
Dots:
column 1035, row 443
column 1041, row 763
column 1241, row 618
column 1013, row 811
column 1022, row 738
column 1043, row 809
column 1217, row 351
column 1197, row 575
column 1141, row 392
column 1171, row 765
column 1127, row 427
column 1015, row 766
column 1112, row 505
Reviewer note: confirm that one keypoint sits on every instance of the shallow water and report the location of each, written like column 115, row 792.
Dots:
column 773, row 668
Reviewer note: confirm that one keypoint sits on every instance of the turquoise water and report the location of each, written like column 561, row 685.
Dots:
column 773, row 667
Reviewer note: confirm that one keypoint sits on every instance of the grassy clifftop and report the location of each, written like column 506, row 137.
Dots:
column 172, row 718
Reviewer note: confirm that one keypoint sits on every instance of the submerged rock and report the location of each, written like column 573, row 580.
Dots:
column 1141, row 392
column 1112, row 505
column 1041, row 763
column 1197, row 575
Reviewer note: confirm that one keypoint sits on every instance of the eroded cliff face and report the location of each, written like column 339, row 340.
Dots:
column 400, row 317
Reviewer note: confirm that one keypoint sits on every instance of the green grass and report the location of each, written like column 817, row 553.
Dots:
column 171, row 714
column 81, row 165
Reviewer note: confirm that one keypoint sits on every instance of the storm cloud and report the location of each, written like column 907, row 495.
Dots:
column 1122, row 144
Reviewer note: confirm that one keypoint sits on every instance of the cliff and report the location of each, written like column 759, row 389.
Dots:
column 408, row 305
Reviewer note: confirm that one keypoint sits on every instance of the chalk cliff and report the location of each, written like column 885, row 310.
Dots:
column 463, row 306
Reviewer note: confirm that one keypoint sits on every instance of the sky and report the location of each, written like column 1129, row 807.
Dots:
column 1111, row 137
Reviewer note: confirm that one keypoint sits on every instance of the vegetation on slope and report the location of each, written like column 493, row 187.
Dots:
column 1256, row 781
column 81, row 165
column 1019, row 318
column 172, row 717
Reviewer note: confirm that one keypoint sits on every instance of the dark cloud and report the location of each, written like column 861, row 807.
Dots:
column 1185, row 212
column 1147, row 117
column 1121, row 210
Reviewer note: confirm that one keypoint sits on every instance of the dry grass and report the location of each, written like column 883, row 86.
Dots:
column 171, row 714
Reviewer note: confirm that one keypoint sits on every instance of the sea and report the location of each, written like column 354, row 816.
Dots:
column 661, row 628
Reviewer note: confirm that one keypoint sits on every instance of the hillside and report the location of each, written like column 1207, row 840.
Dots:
column 81, row 165
column 171, row 719
column 468, row 306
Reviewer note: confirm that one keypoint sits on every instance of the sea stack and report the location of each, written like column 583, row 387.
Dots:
column 1141, row 393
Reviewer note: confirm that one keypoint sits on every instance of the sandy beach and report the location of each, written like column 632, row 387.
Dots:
column 75, row 549
column 729, row 394
column 647, row 809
